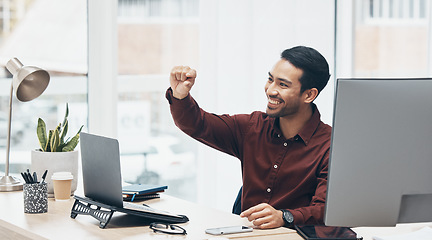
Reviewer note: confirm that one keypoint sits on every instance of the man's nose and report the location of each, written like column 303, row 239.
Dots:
column 271, row 89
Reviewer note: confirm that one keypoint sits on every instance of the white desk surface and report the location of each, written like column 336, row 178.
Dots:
column 57, row 223
column 369, row 232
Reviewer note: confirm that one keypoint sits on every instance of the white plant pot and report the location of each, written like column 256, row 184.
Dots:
column 55, row 162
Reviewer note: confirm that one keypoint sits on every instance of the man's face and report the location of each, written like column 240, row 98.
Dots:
column 283, row 90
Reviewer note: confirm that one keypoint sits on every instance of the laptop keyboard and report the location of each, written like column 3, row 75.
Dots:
column 138, row 207
column 144, row 208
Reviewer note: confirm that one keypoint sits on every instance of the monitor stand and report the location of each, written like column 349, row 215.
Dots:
column 415, row 208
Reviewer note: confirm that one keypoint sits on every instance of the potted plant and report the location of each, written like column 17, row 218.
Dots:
column 56, row 153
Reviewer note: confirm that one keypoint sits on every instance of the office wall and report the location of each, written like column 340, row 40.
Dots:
column 240, row 42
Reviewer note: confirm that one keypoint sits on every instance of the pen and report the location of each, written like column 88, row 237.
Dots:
column 30, row 178
column 35, row 177
column 44, row 176
column 25, row 177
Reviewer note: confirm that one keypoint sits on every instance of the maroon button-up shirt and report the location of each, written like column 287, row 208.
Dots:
column 285, row 173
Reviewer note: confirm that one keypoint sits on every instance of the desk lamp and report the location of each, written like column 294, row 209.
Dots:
column 29, row 83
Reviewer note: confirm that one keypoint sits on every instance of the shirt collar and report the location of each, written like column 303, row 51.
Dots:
column 308, row 129
column 311, row 126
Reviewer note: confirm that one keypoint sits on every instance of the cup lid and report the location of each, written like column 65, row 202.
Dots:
column 62, row 176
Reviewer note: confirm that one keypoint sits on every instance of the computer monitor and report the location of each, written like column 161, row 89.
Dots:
column 380, row 170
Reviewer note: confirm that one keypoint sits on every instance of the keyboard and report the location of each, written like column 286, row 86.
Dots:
column 137, row 207
column 145, row 208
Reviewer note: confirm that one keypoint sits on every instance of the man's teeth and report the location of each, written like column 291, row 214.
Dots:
column 273, row 101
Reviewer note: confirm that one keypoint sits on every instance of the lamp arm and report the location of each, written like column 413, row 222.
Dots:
column 9, row 132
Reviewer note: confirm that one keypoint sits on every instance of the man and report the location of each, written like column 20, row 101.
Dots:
column 283, row 152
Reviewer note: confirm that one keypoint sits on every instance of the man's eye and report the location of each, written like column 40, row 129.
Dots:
column 270, row 79
column 283, row 85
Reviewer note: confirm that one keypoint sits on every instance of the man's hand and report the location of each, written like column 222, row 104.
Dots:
column 182, row 78
column 264, row 216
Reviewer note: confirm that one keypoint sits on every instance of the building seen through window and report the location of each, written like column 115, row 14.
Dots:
column 154, row 36
column 391, row 38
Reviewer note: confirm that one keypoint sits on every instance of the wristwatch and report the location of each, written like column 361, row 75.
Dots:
column 288, row 218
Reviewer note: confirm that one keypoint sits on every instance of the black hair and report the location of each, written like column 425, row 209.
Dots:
column 314, row 65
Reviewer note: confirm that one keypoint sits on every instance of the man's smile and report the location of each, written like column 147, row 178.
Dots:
column 273, row 102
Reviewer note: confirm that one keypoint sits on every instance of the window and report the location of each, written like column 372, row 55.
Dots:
column 232, row 51
column 393, row 11
column 384, row 38
column 154, row 36
column 52, row 35
column 162, row 10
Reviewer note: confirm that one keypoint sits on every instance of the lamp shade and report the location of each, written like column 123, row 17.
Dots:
column 28, row 82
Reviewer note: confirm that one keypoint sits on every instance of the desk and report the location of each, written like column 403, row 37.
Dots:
column 369, row 232
column 57, row 223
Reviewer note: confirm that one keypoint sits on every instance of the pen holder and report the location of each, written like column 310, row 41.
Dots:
column 35, row 198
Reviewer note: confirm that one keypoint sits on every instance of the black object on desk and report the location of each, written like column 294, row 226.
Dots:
column 141, row 191
column 104, row 212
column 29, row 178
column 94, row 152
column 167, row 228
column 131, row 198
column 320, row 232
column 44, row 175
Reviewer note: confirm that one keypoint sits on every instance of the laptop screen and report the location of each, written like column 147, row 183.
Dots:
column 100, row 158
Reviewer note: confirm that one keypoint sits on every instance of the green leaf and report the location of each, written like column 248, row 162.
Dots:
column 66, row 115
column 70, row 146
column 61, row 146
column 80, row 129
column 41, row 134
column 55, row 140
column 64, row 131
column 58, row 127
column 48, row 144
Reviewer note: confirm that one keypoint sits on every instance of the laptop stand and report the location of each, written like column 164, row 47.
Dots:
column 84, row 206
column 87, row 206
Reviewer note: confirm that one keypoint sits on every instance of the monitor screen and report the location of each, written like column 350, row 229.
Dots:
column 380, row 170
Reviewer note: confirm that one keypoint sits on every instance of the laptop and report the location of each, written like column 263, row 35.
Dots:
column 102, row 179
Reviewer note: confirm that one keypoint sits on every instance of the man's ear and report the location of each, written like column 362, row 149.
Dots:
column 310, row 95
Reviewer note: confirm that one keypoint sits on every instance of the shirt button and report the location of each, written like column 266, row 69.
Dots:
column 279, row 135
column 285, row 144
column 275, row 166
column 268, row 190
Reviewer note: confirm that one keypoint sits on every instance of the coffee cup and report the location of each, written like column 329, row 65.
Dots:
column 62, row 182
